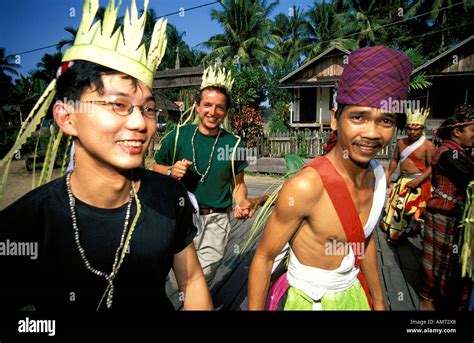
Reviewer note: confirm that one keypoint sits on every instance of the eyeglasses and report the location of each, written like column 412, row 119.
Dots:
column 124, row 107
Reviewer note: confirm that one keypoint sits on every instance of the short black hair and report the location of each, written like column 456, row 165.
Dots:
column 445, row 132
column 81, row 76
column 222, row 90
column 339, row 110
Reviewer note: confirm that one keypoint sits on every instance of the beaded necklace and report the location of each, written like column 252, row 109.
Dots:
column 109, row 277
column 203, row 176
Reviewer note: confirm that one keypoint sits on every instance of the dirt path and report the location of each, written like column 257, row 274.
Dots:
column 19, row 182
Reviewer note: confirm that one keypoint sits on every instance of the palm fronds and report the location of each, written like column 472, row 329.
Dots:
column 28, row 127
column 466, row 239
column 293, row 164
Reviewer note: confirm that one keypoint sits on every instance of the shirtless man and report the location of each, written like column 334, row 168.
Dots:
column 407, row 202
column 328, row 210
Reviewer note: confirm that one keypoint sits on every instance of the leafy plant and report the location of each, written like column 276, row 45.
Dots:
column 302, row 150
column 276, row 124
column 419, row 81
column 248, row 88
column 248, row 124
column 246, row 33
column 279, row 119
column 170, row 126
column 293, row 164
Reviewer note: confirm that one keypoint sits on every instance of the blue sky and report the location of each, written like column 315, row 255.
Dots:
column 30, row 24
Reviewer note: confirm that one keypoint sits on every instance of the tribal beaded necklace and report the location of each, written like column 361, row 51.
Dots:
column 109, row 277
column 203, row 176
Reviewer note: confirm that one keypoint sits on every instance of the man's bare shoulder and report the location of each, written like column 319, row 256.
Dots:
column 306, row 185
column 402, row 142
column 429, row 145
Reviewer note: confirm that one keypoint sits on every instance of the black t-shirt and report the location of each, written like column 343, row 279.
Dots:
column 40, row 262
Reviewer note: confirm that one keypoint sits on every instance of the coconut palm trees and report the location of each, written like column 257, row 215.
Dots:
column 291, row 28
column 247, row 33
column 47, row 67
column 7, row 64
column 325, row 25
column 67, row 42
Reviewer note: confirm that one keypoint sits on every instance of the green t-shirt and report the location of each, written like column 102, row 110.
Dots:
column 215, row 190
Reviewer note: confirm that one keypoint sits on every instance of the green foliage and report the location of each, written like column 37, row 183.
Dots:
column 170, row 93
column 279, row 120
column 247, row 33
column 7, row 64
column 419, row 81
column 276, row 94
column 170, row 126
column 248, row 89
column 293, row 164
column 47, row 67
column 291, row 28
column 302, row 151
column 188, row 95
column 415, row 56
column 276, row 124
column 9, row 134
column 9, row 125
column 178, row 53
column 248, row 124
column 327, row 25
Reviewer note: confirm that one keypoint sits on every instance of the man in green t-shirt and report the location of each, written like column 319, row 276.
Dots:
column 206, row 158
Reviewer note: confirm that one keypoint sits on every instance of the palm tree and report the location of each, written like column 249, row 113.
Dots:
column 151, row 17
column 67, row 42
column 22, row 89
column 435, row 8
column 46, row 71
column 175, row 43
column 418, row 81
column 325, row 27
column 441, row 16
column 176, row 49
column 7, row 65
column 364, row 23
column 292, row 33
column 246, row 36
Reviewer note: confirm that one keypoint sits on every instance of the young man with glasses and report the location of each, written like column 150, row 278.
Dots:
column 106, row 234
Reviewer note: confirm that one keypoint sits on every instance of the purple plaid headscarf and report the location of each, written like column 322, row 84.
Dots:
column 375, row 77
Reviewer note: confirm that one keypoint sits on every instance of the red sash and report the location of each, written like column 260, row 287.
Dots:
column 417, row 162
column 426, row 185
column 344, row 205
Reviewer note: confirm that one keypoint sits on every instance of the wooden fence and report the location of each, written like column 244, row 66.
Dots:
column 307, row 144
column 304, row 143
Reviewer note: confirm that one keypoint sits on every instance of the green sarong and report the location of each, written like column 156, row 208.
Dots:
column 352, row 299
